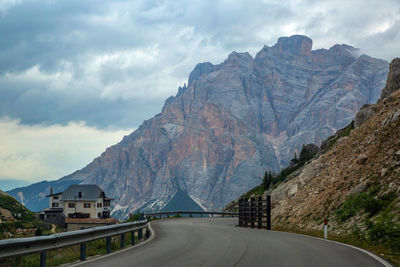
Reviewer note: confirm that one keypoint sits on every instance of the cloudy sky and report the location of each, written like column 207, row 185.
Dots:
column 76, row 76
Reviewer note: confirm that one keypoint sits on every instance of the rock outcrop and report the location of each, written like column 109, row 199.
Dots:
column 393, row 80
column 233, row 121
column 364, row 114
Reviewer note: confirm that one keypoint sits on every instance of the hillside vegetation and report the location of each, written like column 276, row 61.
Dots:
column 15, row 218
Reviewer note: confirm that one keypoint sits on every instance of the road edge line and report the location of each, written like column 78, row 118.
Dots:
column 376, row 257
column 95, row 258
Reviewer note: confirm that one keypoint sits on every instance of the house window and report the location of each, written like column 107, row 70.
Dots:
column 99, row 205
column 86, row 205
column 55, row 197
column 99, row 215
column 55, row 205
column 71, row 205
column 80, row 194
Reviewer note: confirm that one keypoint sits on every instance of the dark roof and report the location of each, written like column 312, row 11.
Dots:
column 90, row 192
column 54, row 194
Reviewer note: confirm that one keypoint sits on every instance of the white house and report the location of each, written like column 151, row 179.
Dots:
column 80, row 201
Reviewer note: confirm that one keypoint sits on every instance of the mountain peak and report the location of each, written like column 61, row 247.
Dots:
column 199, row 70
column 295, row 44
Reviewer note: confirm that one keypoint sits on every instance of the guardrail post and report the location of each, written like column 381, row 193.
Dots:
column 122, row 245
column 140, row 234
column 268, row 212
column 108, row 244
column 133, row 238
column 83, row 251
column 43, row 256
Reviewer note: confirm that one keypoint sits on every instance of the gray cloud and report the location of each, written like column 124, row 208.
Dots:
column 112, row 63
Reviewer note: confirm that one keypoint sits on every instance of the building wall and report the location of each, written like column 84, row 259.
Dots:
column 80, row 208
column 99, row 209
column 53, row 200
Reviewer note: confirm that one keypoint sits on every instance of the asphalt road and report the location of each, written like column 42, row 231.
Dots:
column 217, row 242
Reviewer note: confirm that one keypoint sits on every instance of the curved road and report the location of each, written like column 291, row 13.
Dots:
column 217, row 242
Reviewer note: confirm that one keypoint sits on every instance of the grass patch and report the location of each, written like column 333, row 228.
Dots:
column 258, row 191
column 380, row 229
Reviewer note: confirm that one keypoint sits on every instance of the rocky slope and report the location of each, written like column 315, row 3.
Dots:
column 366, row 162
column 354, row 181
column 216, row 137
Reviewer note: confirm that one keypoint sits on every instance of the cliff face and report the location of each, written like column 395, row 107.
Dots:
column 393, row 80
column 218, row 135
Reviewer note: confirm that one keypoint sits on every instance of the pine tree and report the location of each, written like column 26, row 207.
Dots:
column 267, row 180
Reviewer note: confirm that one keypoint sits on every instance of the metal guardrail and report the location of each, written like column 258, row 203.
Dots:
column 190, row 213
column 29, row 245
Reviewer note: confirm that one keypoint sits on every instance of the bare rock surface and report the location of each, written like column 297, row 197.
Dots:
column 233, row 121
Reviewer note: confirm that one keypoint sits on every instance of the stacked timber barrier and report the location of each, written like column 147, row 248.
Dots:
column 255, row 212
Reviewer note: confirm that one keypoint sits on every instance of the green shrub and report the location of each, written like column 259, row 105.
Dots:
column 368, row 202
column 384, row 231
column 136, row 217
column 38, row 231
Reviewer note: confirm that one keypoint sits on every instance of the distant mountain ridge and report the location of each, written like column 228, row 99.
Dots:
column 9, row 184
column 233, row 121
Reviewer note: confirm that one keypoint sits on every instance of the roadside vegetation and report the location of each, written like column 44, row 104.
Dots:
column 380, row 227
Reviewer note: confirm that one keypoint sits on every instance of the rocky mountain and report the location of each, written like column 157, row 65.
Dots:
column 217, row 136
